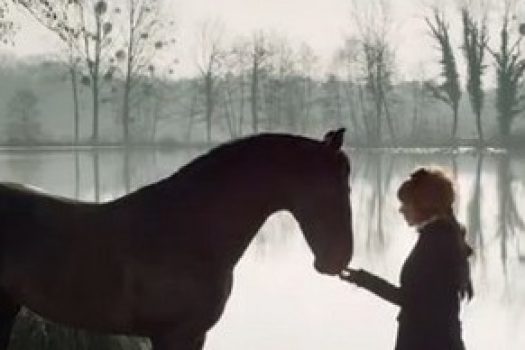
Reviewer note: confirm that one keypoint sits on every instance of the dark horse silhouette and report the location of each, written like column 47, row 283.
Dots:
column 159, row 262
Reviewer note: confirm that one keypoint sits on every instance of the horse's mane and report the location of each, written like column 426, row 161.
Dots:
column 250, row 148
column 250, row 145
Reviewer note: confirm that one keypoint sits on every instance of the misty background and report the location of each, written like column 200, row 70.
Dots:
column 98, row 98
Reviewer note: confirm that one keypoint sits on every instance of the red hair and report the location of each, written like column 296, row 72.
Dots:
column 430, row 190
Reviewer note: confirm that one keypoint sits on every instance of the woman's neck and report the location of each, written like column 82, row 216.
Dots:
column 420, row 226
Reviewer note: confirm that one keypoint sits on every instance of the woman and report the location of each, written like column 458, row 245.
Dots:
column 435, row 276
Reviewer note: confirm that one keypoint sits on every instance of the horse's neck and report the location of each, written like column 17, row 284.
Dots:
column 230, row 214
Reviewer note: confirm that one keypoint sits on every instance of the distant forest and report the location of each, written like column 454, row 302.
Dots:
column 108, row 86
column 36, row 108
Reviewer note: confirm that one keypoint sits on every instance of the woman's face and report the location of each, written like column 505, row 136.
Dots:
column 410, row 212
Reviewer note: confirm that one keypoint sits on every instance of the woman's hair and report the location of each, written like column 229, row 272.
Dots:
column 429, row 190
column 432, row 192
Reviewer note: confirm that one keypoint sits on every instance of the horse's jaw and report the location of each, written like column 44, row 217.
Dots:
column 330, row 269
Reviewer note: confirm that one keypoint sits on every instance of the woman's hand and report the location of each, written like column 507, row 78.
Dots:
column 353, row 275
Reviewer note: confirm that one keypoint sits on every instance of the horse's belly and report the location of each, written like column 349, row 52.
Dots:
column 90, row 311
column 92, row 297
column 121, row 301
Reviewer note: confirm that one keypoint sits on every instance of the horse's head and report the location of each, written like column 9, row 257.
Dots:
column 321, row 204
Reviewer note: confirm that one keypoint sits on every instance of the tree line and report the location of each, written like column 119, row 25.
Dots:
column 125, row 52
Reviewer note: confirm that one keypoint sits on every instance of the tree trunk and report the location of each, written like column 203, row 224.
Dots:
column 479, row 126
column 76, row 109
column 504, row 128
column 351, row 108
column 364, row 115
column 125, row 108
column 338, row 104
column 77, row 175
column 455, row 123
column 254, row 89
column 379, row 117
column 126, row 171
column 127, row 82
column 307, row 103
column 415, row 117
column 209, row 104
column 191, row 116
column 95, row 77
column 241, row 106
column 389, row 121
column 156, row 114
column 229, row 114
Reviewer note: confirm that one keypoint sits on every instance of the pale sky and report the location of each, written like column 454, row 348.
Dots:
column 320, row 23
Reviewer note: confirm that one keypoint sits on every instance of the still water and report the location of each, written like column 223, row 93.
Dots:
column 279, row 301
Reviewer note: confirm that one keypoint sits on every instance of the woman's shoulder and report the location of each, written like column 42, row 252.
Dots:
column 441, row 230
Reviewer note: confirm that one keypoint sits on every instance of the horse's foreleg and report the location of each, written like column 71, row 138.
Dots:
column 6, row 325
column 8, row 312
column 178, row 342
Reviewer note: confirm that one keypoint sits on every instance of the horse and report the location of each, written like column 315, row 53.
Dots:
column 158, row 262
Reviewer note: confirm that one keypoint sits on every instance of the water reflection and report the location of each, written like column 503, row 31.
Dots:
column 278, row 301
column 474, row 225
column 510, row 221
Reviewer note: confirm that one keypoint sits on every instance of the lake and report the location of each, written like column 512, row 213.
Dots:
column 278, row 300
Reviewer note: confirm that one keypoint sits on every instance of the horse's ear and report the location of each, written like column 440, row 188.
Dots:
column 334, row 138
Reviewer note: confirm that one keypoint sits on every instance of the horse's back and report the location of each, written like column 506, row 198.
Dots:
column 34, row 223
column 25, row 205
column 55, row 252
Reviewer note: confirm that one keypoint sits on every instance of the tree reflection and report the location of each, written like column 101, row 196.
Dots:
column 25, row 166
column 475, row 233
column 126, row 171
column 96, row 176
column 509, row 219
column 77, row 174
column 378, row 171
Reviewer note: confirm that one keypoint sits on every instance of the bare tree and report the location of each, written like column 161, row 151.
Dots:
column 475, row 38
column 210, row 60
column 145, row 34
column 347, row 59
column 307, row 64
column 7, row 26
column 97, row 48
column 61, row 18
column 236, row 79
column 510, row 68
column 87, row 27
column 374, row 26
column 23, row 114
column 333, row 101
column 259, row 54
column 449, row 91
column 281, row 70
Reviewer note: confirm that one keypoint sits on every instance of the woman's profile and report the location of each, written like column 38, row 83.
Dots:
column 436, row 276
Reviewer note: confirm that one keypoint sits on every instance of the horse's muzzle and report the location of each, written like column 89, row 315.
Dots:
column 332, row 269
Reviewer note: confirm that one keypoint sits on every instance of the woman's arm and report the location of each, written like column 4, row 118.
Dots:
column 374, row 284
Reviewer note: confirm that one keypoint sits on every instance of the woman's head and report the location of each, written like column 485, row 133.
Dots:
column 427, row 193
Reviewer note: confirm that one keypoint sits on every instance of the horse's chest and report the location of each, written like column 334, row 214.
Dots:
column 177, row 296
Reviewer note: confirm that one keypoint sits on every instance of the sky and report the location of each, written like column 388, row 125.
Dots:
column 322, row 24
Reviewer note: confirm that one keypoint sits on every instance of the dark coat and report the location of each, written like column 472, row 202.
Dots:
column 429, row 290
